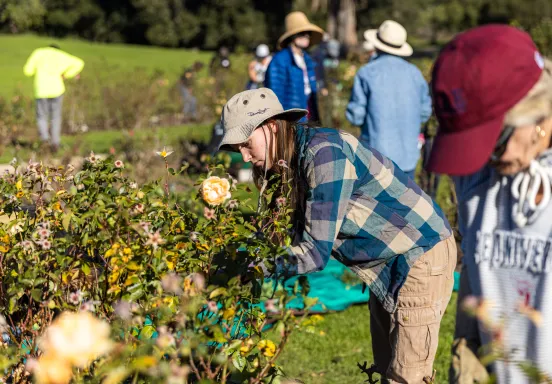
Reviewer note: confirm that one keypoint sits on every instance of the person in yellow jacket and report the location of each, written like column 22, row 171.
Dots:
column 50, row 66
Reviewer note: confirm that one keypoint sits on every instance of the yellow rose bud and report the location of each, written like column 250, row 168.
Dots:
column 215, row 190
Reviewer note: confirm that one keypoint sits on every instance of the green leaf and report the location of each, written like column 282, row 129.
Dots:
column 233, row 346
column 136, row 294
column 217, row 292
column 36, row 294
column 310, row 301
column 239, row 361
column 84, row 239
column 85, row 269
column 147, row 332
column 66, row 220
column 133, row 266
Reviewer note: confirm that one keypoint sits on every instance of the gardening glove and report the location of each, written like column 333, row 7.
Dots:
column 465, row 367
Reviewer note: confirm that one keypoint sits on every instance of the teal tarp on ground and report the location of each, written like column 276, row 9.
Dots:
column 332, row 293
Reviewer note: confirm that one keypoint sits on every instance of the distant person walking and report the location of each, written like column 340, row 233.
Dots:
column 219, row 68
column 187, row 85
column 291, row 73
column 50, row 66
column 390, row 98
column 220, row 61
column 257, row 68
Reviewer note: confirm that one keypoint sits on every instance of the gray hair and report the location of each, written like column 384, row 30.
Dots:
column 537, row 104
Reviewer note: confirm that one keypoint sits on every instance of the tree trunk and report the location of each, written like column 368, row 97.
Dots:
column 333, row 10
column 342, row 21
column 347, row 33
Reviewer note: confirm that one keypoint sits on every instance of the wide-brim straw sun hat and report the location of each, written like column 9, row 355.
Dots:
column 390, row 37
column 297, row 22
column 247, row 110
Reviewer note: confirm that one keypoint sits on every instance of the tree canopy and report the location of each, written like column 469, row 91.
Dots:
column 208, row 24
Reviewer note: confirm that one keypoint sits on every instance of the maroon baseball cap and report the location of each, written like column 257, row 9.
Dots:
column 477, row 78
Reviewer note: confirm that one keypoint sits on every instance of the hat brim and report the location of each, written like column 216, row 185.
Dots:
column 404, row 50
column 231, row 137
column 316, row 34
column 465, row 152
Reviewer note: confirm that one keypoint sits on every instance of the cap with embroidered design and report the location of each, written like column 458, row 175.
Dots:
column 247, row 110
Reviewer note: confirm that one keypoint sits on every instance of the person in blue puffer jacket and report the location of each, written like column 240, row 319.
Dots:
column 291, row 73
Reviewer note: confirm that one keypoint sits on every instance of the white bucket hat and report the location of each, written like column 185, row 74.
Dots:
column 247, row 110
column 390, row 37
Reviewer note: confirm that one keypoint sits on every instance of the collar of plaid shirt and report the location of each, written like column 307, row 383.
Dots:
column 363, row 210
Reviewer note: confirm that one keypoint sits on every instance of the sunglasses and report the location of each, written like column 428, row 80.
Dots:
column 502, row 143
column 303, row 34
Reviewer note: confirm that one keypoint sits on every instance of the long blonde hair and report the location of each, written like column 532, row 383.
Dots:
column 537, row 104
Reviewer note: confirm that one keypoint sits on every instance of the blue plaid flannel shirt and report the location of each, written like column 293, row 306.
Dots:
column 363, row 210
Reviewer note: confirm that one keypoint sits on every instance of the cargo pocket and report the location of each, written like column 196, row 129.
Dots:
column 417, row 280
column 417, row 335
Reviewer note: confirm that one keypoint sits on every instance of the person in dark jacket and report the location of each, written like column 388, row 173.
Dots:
column 291, row 73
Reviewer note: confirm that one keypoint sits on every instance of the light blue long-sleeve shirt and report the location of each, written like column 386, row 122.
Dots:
column 390, row 101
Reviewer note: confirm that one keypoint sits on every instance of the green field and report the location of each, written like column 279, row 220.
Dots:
column 16, row 50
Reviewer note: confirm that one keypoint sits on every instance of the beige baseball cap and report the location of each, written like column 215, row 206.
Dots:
column 247, row 110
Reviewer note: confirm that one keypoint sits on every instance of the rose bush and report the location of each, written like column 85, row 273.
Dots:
column 88, row 254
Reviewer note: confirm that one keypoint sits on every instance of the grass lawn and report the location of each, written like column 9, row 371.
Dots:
column 16, row 50
column 102, row 141
column 331, row 357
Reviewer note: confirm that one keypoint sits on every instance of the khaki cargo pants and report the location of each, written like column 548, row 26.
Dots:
column 404, row 343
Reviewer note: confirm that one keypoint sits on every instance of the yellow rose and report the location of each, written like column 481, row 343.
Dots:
column 51, row 370
column 76, row 338
column 215, row 190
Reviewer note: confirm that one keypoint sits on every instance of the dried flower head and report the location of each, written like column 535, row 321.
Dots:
column 45, row 244
column 212, row 306
column 281, row 201
column 92, row 158
column 172, row 283
column 209, row 214
column 75, row 297
column 155, row 239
